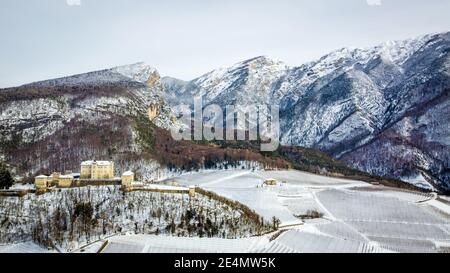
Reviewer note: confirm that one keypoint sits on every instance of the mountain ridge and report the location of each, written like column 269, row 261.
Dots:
column 348, row 98
column 380, row 109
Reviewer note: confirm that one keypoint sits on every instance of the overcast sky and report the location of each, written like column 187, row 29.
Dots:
column 42, row 39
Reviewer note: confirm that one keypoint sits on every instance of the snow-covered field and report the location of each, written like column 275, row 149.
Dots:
column 353, row 217
column 168, row 244
column 357, row 216
column 27, row 247
column 290, row 198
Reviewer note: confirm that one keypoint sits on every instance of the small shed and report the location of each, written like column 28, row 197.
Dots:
column 271, row 182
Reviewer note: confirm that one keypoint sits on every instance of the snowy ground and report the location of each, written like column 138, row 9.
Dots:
column 19, row 186
column 356, row 217
column 168, row 244
column 293, row 196
column 27, row 247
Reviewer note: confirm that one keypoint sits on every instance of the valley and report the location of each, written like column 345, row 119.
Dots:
column 363, row 164
column 381, row 110
column 349, row 216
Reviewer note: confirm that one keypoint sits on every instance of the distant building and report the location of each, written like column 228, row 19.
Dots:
column 65, row 181
column 127, row 179
column 271, row 182
column 42, row 181
column 55, row 176
column 92, row 173
column 97, row 170
column 56, row 179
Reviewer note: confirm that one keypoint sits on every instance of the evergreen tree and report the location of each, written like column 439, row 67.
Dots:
column 6, row 180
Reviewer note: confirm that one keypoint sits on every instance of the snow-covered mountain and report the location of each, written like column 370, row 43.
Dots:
column 55, row 124
column 132, row 75
column 383, row 109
